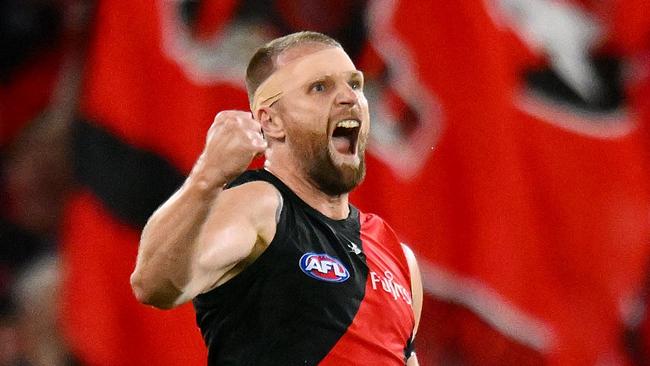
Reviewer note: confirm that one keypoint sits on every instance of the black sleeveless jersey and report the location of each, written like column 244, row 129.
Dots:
column 328, row 292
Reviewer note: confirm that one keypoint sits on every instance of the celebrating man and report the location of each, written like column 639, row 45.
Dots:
column 282, row 270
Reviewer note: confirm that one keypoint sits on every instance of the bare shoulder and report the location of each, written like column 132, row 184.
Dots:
column 259, row 202
column 256, row 192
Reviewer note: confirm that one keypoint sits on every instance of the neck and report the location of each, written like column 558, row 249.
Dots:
column 334, row 207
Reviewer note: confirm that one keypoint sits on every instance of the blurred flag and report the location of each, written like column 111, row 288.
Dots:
column 509, row 149
column 530, row 218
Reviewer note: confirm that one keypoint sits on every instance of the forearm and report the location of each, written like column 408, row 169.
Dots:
column 168, row 243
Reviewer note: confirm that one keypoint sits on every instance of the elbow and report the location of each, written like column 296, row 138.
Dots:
column 148, row 295
column 143, row 294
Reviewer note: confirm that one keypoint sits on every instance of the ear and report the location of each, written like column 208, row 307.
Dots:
column 271, row 122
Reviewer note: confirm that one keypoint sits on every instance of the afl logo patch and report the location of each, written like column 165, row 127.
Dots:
column 323, row 267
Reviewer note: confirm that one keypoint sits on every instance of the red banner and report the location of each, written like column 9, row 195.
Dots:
column 509, row 149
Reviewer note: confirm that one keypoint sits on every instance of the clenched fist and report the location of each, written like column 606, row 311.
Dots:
column 233, row 140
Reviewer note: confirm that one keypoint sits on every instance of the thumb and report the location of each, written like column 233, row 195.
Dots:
column 260, row 145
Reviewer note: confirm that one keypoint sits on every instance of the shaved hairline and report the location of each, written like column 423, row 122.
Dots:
column 263, row 62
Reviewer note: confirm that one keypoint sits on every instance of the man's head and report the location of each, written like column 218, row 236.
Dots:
column 308, row 96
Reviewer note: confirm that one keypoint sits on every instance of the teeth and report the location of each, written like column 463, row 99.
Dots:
column 348, row 123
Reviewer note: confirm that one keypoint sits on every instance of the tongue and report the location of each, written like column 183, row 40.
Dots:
column 341, row 144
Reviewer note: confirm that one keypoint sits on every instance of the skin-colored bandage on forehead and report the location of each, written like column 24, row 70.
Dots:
column 332, row 60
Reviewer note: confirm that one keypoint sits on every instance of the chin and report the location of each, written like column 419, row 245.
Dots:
column 335, row 177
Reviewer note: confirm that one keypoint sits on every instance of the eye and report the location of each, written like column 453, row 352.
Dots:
column 318, row 86
column 356, row 84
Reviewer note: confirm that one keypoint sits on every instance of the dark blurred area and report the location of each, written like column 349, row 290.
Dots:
column 29, row 29
column 510, row 148
column 39, row 69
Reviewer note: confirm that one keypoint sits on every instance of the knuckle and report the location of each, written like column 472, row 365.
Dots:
column 231, row 123
column 225, row 115
column 221, row 115
column 253, row 125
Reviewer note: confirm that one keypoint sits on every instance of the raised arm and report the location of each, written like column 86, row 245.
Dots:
column 201, row 218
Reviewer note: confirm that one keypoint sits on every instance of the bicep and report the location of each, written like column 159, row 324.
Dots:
column 222, row 245
column 239, row 219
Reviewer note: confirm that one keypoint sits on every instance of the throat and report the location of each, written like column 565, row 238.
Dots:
column 335, row 207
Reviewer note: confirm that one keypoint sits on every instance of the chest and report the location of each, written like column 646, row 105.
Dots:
column 347, row 262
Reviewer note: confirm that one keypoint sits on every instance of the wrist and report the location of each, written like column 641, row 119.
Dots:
column 208, row 180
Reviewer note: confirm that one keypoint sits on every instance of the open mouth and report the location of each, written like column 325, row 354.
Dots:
column 345, row 135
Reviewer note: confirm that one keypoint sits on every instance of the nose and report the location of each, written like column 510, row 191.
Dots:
column 345, row 95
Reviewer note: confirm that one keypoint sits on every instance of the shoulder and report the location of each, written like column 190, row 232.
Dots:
column 257, row 202
column 255, row 187
column 256, row 197
column 386, row 239
column 251, row 190
column 373, row 223
column 370, row 219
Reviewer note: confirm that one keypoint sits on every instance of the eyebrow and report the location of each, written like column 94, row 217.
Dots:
column 358, row 73
column 349, row 74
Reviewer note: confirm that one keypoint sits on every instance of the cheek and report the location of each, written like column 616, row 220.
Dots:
column 303, row 110
column 363, row 103
column 306, row 114
column 303, row 130
column 365, row 111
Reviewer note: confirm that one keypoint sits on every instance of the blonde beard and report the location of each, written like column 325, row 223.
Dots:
column 314, row 155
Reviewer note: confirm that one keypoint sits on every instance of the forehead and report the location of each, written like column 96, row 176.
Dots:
column 337, row 59
column 298, row 66
column 299, row 51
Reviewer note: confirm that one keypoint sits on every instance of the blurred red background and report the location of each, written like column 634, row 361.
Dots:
column 509, row 149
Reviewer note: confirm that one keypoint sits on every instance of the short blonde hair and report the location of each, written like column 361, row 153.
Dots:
column 262, row 64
